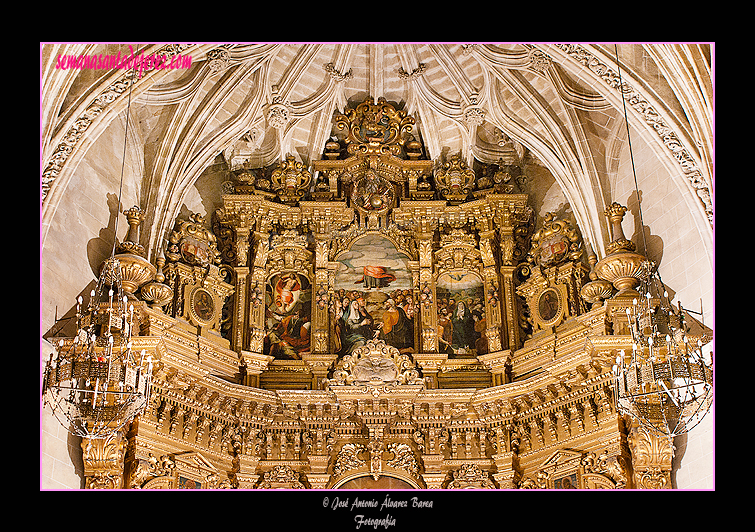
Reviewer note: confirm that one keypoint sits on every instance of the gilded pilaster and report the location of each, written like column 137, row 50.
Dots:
column 261, row 247
column 240, row 306
column 495, row 332
column 322, row 290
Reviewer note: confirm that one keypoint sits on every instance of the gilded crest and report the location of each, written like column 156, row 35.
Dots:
column 556, row 242
column 374, row 127
column 455, row 180
column 192, row 243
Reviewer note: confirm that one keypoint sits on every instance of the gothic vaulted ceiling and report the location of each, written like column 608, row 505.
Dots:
column 560, row 106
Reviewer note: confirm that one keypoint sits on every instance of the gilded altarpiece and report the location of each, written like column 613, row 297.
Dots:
column 380, row 315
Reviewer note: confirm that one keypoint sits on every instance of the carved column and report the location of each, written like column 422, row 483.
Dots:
column 494, row 331
column 506, row 234
column 242, row 272
column 321, row 290
column 261, row 246
column 427, row 304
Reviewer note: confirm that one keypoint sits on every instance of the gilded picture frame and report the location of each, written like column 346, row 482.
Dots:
column 549, row 306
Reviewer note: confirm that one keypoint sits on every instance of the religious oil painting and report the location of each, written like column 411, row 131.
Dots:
column 288, row 309
column 188, row 484
column 548, row 304
column 373, row 297
column 569, row 482
column 461, row 314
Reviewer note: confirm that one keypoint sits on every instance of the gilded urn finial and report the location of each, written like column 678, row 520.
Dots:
column 597, row 290
column 615, row 214
column 622, row 265
column 134, row 217
column 135, row 268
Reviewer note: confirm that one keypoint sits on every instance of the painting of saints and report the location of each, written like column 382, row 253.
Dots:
column 445, row 331
column 462, row 324
column 397, row 329
column 480, row 327
column 287, row 316
column 354, row 328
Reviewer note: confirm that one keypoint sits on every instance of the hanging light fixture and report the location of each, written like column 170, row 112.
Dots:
column 95, row 383
column 665, row 384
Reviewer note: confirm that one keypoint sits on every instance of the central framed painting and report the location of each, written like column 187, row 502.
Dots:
column 373, row 296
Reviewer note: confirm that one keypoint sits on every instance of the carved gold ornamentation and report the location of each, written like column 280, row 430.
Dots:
column 103, row 461
column 291, row 180
column 374, row 127
column 157, row 292
column 281, row 477
column 652, row 454
column 375, row 364
column 534, row 410
column 454, row 179
column 192, row 243
column 597, row 290
column 135, row 269
column 470, row 476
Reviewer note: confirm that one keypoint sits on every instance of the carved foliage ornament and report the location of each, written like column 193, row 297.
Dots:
column 374, row 128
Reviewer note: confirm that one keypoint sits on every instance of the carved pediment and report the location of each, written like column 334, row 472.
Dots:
column 189, row 470
column 560, row 458
column 375, row 363
column 470, row 476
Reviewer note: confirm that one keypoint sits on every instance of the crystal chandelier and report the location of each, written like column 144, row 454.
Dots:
column 665, row 384
column 95, row 384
